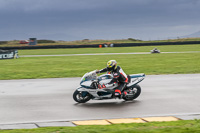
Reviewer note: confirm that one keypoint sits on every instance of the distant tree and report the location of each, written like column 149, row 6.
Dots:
column 132, row 39
column 85, row 40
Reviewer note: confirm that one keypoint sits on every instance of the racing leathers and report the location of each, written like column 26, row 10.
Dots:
column 118, row 76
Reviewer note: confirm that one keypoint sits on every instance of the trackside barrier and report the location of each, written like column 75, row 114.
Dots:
column 8, row 54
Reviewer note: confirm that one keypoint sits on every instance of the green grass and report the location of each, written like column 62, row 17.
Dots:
column 189, row 126
column 167, row 48
column 76, row 66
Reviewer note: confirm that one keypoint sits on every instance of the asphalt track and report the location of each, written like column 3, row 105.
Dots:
column 46, row 100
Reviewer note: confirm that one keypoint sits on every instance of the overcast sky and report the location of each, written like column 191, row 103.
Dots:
column 98, row 19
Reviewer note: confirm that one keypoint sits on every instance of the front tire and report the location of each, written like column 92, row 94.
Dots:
column 81, row 97
column 133, row 93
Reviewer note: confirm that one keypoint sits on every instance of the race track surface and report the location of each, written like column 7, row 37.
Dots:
column 43, row 100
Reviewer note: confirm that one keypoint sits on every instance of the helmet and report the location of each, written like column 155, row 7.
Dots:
column 111, row 65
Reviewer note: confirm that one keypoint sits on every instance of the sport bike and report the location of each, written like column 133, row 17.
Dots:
column 89, row 87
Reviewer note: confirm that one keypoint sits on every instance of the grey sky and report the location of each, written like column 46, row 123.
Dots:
column 98, row 19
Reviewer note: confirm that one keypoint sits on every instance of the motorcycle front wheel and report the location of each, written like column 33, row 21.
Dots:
column 133, row 93
column 81, row 96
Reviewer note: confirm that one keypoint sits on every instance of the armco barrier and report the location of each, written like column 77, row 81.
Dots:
column 97, row 45
column 156, row 43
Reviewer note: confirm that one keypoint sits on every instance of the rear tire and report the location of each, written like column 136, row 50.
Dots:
column 136, row 89
column 80, row 98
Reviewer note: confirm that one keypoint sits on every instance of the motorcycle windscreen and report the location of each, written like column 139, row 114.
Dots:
column 89, row 76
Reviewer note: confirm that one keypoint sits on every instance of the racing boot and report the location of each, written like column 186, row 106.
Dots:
column 117, row 93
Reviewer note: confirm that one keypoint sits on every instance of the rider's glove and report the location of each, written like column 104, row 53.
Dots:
column 97, row 71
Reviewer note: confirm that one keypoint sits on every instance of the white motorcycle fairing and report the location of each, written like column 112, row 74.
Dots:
column 89, row 87
column 91, row 78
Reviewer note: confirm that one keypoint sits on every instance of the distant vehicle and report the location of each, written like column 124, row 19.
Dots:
column 24, row 42
column 155, row 50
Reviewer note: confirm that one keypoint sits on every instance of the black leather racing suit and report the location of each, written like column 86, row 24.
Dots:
column 118, row 76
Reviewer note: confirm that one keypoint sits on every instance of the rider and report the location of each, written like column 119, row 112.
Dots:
column 118, row 76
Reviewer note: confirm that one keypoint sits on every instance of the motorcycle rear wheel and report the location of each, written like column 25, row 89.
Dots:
column 80, row 98
column 136, row 89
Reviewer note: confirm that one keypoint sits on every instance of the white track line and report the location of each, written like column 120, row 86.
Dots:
column 107, row 54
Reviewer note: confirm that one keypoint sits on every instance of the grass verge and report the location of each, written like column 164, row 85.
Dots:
column 187, row 126
column 167, row 48
column 76, row 66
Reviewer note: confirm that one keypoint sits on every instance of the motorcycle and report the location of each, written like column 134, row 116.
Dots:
column 155, row 50
column 89, row 87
